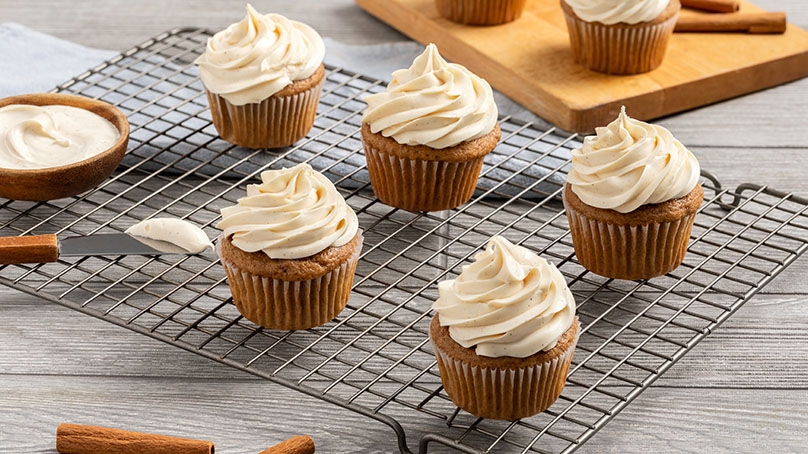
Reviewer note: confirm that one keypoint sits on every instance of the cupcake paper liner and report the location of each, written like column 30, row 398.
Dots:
column 629, row 251
column 421, row 185
column 619, row 48
column 501, row 393
column 481, row 12
column 288, row 305
column 277, row 121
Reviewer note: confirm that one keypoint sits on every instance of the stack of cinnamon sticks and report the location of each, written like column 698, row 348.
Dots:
column 729, row 18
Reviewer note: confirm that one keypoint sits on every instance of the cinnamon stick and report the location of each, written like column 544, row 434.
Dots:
column 715, row 6
column 733, row 22
column 81, row 439
column 299, row 444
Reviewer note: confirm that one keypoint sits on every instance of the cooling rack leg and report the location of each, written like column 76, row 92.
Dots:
column 423, row 446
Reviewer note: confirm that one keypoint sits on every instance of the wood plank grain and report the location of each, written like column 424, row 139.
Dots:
column 707, row 420
column 762, row 165
column 248, row 417
column 121, row 24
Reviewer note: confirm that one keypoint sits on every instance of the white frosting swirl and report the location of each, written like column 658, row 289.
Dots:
column 432, row 103
column 294, row 213
column 175, row 231
column 611, row 12
column 509, row 302
column 630, row 163
column 251, row 60
column 39, row 137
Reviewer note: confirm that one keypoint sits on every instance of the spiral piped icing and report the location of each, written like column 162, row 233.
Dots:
column 252, row 60
column 611, row 12
column 509, row 302
column 630, row 163
column 294, row 213
column 433, row 103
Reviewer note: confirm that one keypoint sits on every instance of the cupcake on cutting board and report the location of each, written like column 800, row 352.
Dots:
column 426, row 136
column 620, row 36
column 631, row 197
column 263, row 77
column 481, row 12
column 504, row 333
column 290, row 249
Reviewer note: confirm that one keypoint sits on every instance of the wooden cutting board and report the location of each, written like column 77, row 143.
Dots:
column 530, row 61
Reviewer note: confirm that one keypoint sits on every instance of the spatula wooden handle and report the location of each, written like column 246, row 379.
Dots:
column 28, row 249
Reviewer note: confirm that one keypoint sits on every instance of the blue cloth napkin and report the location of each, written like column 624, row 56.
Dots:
column 33, row 62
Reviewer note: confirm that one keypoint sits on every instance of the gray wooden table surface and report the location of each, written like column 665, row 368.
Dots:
column 741, row 390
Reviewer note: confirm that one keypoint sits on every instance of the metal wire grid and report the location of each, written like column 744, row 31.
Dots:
column 374, row 358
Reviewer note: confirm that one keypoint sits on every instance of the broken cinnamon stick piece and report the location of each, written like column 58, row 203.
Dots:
column 81, row 439
column 715, row 6
column 733, row 22
column 299, row 444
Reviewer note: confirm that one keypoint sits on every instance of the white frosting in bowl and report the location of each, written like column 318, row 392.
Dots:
column 175, row 231
column 40, row 137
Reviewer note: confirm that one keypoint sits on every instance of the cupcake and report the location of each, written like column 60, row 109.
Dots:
column 427, row 135
column 631, row 199
column 504, row 333
column 263, row 78
column 480, row 12
column 620, row 36
column 289, row 249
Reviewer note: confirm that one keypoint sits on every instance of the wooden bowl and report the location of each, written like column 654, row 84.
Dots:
column 71, row 179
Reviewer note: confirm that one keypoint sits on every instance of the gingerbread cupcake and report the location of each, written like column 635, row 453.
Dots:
column 481, row 12
column 427, row 135
column 620, row 36
column 631, row 198
column 504, row 333
column 289, row 249
column 263, row 78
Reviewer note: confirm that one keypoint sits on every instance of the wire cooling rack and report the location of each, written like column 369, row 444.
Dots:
column 374, row 358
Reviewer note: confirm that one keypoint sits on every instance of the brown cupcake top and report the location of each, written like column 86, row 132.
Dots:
column 465, row 151
column 668, row 211
column 299, row 86
column 443, row 340
column 303, row 269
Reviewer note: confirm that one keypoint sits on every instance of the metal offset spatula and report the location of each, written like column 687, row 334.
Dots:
column 47, row 248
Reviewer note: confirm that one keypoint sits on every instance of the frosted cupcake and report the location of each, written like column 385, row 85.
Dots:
column 631, row 198
column 289, row 249
column 427, row 135
column 263, row 77
column 480, row 12
column 620, row 36
column 504, row 333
